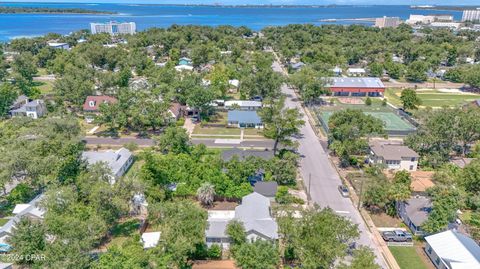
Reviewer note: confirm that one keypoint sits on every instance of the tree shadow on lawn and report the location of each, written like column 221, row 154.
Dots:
column 126, row 228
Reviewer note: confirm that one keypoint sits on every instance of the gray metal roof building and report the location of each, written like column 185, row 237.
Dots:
column 244, row 117
column 341, row 82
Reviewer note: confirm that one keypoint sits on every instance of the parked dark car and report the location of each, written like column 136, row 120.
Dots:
column 343, row 190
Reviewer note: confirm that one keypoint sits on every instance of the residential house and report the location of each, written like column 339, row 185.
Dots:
column 452, row 250
column 150, row 239
column 31, row 210
column 414, row 212
column 175, row 111
column 91, row 106
column 234, row 82
column 297, row 66
column 118, row 161
column 255, row 214
column 356, row 72
column 33, row 109
column 337, row 71
column 462, row 162
column 243, row 105
column 92, row 103
column 266, row 188
column 183, row 67
column 244, row 119
column 19, row 102
column 393, row 156
column 227, row 155
column 57, row 45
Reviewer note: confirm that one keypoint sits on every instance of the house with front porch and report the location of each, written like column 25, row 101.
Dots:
column 255, row 214
column 244, row 119
column 393, row 155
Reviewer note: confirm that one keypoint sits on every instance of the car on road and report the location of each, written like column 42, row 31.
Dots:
column 397, row 236
column 343, row 190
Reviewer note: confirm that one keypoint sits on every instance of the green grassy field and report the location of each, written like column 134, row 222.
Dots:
column 433, row 98
column 392, row 121
column 407, row 258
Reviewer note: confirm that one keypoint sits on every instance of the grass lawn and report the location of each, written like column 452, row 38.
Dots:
column 216, row 130
column 3, row 221
column 433, row 98
column 45, row 87
column 407, row 258
column 122, row 231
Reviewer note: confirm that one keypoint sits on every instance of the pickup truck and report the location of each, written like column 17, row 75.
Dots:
column 397, row 236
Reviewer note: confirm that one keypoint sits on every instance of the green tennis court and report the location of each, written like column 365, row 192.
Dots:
column 393, row 122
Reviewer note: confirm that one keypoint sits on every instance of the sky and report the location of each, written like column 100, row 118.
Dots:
column 315, row 2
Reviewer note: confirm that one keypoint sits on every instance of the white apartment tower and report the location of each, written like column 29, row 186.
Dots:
column 113, row 28
column 471, row 15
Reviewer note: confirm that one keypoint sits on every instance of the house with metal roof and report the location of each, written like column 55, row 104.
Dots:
column 243, row 105
column 118, row 161
column 414, row 212
column 394, row 156
column 254, row 212
column 244, row 119
column 369, row 86
column 452, row 250
column 357, row 72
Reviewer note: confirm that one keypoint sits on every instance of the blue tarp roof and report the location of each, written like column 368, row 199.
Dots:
column 248, row 117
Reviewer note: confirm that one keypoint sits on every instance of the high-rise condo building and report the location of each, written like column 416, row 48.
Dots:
column 113, row 28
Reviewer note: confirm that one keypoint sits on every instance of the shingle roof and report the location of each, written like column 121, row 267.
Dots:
column 266, row 188
column 97, row 101
column 455, row 249
column 254, row 213
column 227, row 155
column 114, row 159
column 417, row 209
column 355, row 82
column 250, row 117
column 392, row 151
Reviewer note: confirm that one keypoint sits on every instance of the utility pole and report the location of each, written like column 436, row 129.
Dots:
column 361, row 194
column 309, row 185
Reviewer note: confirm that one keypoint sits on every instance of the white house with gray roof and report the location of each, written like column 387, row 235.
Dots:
column 33, row 109
column 393, row 155
column 254, row 213
column 118, row 161
column 452, row 250
column 31, row 210
column 243, row 105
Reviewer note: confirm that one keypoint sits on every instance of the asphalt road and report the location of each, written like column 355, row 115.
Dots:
column 324, row 178
column 209, row 142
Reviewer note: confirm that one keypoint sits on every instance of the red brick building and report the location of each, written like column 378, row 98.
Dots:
column 341, row 86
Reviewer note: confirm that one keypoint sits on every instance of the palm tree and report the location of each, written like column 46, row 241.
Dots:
column 206, row 193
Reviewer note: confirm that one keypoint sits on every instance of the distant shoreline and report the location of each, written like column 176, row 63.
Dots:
column 445, row 8
column 47, row 10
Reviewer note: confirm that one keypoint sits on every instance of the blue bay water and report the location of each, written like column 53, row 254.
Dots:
column 146, row 16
